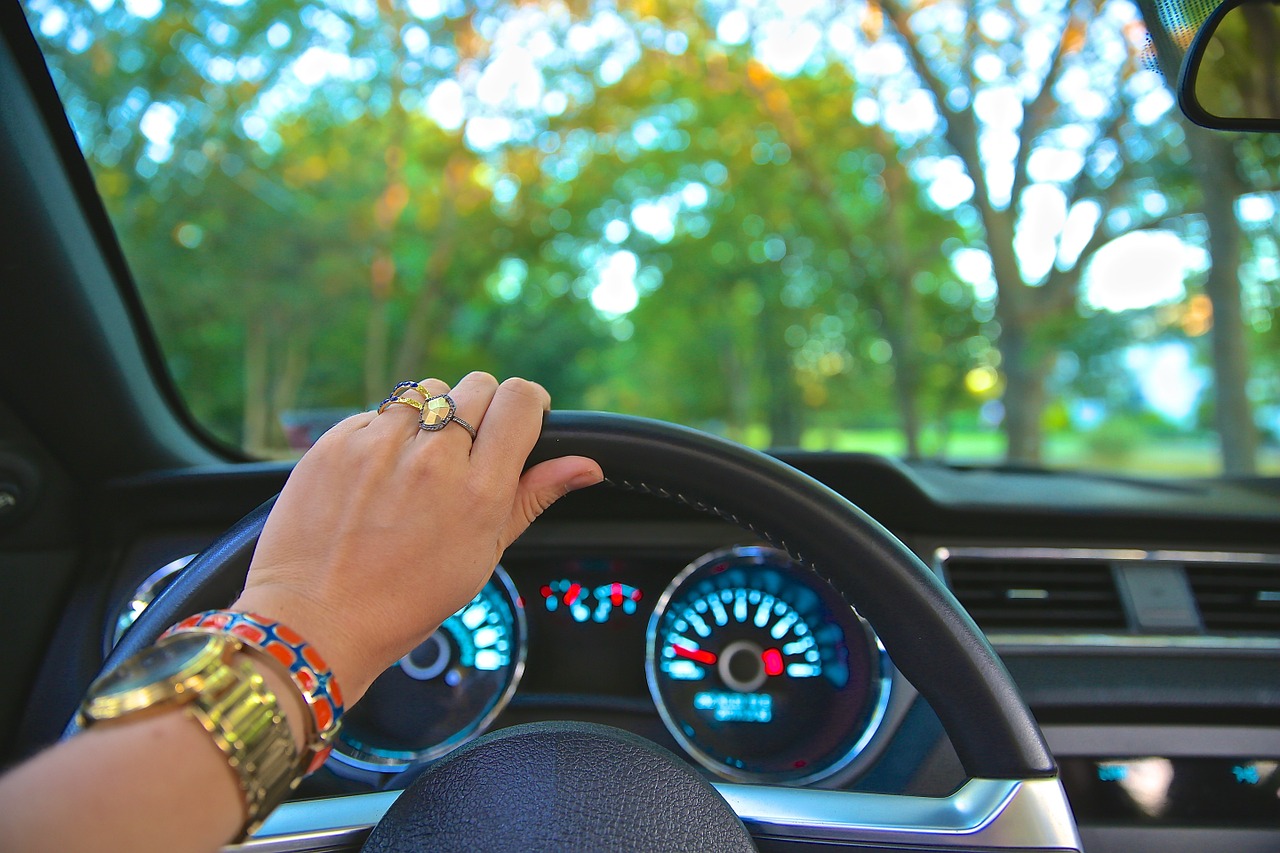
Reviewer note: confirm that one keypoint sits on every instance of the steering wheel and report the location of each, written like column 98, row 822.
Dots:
column 1013, row 797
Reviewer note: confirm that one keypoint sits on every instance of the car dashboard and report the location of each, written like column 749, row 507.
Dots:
column 1146, row 641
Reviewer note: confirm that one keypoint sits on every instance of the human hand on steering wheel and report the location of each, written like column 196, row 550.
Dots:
column 385, row 528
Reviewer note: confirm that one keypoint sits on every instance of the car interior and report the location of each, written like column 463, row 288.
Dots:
column 972, row 655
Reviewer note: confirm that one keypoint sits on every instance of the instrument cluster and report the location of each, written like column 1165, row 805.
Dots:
column 757, row 668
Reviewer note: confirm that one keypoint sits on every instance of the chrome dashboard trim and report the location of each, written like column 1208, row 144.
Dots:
column 1010, row 640
column 142, row 597
column 1067, row 641
column 983, row 814
column 944, row 553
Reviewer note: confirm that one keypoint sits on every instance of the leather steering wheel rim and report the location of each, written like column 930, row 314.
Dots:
column 929, row 636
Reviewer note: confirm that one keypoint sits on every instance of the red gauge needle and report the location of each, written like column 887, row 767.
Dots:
column 699, row 655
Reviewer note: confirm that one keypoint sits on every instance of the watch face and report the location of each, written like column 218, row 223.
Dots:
column 159, row 663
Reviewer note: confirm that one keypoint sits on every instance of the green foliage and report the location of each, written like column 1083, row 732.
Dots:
column 667, row 226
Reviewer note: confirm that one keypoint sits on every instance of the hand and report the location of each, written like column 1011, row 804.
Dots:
column 384, row 530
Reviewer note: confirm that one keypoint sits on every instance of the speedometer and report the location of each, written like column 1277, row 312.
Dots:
column 761, row 671
column 445, row 691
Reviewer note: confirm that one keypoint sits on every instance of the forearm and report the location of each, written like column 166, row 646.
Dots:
column 341, row 562
column 154, row 783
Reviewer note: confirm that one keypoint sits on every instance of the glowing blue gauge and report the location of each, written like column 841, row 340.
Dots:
column 444, row 692
column 761, row 671
column 590, row 604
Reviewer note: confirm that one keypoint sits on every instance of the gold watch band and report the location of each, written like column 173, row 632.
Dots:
column 225, row 694
column 244, row 718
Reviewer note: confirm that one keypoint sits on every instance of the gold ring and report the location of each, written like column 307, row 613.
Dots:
column 396, row 397
column 407, row 401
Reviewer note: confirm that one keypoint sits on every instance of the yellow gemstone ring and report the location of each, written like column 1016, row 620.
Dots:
column 438, row 411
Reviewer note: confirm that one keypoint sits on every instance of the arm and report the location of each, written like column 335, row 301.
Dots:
column 382, row 531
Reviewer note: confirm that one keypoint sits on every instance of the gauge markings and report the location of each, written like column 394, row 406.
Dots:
column 718, row 611
column 470, row 666
column 760, row 671
column 697, row 622
column 685, row 658
column 783, row 625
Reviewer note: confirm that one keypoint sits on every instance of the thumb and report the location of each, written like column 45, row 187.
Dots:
column 544, row 484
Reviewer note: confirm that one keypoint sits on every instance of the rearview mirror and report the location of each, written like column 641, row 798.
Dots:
column 1230, row 77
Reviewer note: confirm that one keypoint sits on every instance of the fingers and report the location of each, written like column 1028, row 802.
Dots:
column 401, row 413
column 512, row 426
column 544, row 484
column 471, row 397
column 507, row 419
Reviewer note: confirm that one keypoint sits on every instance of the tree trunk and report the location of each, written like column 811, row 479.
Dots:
column 285, row 388
column 1215, row 160
column 257, row 399
column 435, row 305
column 382, row 272
column 376, row 385
column 782, row 405
column 737, row 380
column 902, row 329
column 1024, row 397
column 906, row 366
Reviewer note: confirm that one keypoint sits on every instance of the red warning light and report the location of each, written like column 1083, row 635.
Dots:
column 772, row 661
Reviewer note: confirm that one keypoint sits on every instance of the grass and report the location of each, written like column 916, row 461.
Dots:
column 1153, row 456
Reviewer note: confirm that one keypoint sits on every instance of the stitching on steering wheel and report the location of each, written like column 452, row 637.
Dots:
column 720, row 512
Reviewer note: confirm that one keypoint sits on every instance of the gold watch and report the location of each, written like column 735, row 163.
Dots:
column 227, row 696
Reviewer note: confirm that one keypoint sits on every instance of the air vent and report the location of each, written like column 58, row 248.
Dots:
column 1036, row 594
column 1237, row 597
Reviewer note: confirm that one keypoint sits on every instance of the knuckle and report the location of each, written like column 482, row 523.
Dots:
column 487, row 486
column 481, row 377
column 435, row 386
column 427, row 463
column 525, row 389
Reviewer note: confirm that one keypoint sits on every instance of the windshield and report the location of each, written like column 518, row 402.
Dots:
column 976, row 231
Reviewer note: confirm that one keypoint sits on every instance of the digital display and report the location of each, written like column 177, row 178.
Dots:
column 735, row 707
column 1174, row 791
column 587, row 619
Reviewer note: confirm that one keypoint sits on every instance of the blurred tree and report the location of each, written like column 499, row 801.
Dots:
column 695, row 168
column 1215, row 161
column 648, row 209
column 1103, row 171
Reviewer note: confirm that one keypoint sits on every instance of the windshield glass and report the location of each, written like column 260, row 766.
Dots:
column 973, row 230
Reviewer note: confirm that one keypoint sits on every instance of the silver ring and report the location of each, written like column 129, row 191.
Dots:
column 439, row 411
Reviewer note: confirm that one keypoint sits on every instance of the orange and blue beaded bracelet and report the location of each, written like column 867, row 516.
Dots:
column 301, row 662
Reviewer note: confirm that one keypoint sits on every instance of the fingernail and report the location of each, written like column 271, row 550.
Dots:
column 586, row 478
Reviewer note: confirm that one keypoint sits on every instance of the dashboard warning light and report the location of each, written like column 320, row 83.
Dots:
column 772, row 662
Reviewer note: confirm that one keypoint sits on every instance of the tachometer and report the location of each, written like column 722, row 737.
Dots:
column 761, row 671
column 445, row 691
